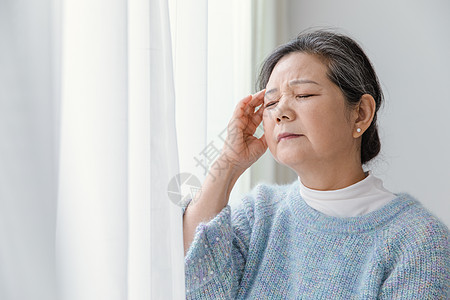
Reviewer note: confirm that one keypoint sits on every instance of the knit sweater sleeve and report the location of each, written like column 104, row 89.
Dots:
column 419, row 260
column 215, row 261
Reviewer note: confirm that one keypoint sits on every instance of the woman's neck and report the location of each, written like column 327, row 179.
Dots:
column 324, row 178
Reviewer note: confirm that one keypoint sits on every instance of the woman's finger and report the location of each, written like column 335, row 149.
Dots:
column 258, row 117
column 257, row 99
column 240, row 107
column 260, row 93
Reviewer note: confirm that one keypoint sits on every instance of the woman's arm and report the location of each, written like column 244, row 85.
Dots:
column 215, row 262
column 210, row 200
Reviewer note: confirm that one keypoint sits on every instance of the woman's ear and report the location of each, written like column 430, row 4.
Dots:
column 364, row 111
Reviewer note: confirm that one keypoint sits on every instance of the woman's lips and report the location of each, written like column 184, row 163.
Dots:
column 289, row 137
column 286, row 136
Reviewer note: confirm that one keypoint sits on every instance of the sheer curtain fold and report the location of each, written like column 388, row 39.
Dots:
column 167, row 263
column 189, row 23
column 92, row 224
column 27, row 152
column 118, row 235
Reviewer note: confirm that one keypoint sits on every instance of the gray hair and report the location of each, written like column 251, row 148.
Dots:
column 348, row 68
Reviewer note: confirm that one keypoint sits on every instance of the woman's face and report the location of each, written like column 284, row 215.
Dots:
column 300, row 99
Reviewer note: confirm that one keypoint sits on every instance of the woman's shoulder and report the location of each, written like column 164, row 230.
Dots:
column 415, row 226
column 265, row 199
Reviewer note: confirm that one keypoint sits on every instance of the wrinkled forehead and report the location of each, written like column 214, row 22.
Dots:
column 296, row 70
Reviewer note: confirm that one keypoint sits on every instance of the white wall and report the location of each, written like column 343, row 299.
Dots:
column 409, row 44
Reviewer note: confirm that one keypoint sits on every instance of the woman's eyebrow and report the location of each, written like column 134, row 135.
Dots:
column 271, row 91
column 300, row 81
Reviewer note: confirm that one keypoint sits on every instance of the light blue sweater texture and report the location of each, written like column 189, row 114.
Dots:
column 274, row 246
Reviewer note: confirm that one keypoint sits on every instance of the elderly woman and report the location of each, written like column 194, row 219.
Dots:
column 336, row 232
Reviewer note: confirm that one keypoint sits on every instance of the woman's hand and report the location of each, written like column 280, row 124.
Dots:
column 240, row 151
column 241, row 148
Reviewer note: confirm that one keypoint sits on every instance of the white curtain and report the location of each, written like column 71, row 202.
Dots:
column 88, row 149
column 118, row 234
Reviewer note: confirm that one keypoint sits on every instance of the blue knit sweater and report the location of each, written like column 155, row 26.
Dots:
column 274, row 246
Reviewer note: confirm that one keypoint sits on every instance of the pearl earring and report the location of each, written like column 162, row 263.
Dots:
column 358, row 129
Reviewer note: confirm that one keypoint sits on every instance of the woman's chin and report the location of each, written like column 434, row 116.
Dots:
column 290, row 160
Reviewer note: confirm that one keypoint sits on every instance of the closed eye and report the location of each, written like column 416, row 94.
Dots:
column 303, row 96
column 296, row 97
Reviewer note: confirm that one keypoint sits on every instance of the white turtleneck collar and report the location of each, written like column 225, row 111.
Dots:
column 358, row 199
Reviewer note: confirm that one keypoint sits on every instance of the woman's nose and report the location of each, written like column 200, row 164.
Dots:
column 282, row 117
column 284, row 112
